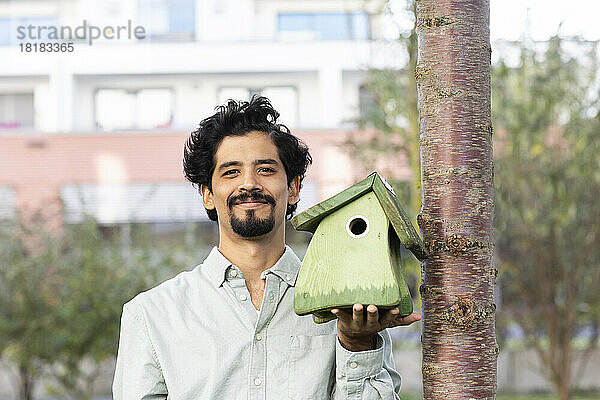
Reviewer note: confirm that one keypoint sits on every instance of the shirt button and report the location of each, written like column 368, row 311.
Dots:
column 353, row 364
column 243, row 297
column 257, row 382
column 289, row 278
column 233, row 273
column 258, row 336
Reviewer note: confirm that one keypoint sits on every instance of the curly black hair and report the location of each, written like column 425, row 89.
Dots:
column 238, row 118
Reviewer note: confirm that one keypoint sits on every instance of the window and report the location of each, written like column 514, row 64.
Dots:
column 16, row 111
column 168, row 20
column 234, row 93
column 309, row 196
column 133, row 109
column 283, row 98
column 25, row 30
column 323, row 26
column 133, row 202
column 5, row 32
column 7, row 202
column 367, row 105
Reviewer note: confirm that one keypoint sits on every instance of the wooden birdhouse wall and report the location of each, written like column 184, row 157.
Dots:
column 347, row 263
column 396, row 248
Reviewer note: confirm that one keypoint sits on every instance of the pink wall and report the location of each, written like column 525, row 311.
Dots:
column 36, row 167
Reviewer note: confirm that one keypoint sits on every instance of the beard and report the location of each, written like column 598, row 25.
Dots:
column 251, row 225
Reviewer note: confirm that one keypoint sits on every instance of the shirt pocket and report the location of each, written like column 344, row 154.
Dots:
column 312, row 366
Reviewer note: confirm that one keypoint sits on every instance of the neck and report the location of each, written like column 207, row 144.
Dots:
column 253, row 255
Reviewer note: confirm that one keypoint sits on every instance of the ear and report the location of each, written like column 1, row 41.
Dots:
column 207, row 197
column 294, row 191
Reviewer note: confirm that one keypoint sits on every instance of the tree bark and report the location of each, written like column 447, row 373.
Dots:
column 26, row 382
column 453, row 87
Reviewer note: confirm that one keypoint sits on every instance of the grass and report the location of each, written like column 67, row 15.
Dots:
column 406, row 396
column 543, row 397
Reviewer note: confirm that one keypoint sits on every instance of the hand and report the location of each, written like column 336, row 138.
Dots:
column 357, row 333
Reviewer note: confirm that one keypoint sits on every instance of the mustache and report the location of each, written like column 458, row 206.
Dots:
column 250, row 196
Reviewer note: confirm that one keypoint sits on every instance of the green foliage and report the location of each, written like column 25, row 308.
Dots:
column 95, row 281
column 547, row 179
column 27, row 283
column 61, row 297
column 547, row 183
column 501, row 396
column 389, row 121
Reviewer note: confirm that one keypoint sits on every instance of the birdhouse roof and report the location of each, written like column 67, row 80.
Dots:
column 310, row 219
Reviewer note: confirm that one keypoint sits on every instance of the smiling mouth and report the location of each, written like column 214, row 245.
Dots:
column 251, row 204
column 248, row 201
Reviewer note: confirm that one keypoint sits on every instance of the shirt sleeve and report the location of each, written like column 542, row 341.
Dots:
column 138, row 374
column 367, row 374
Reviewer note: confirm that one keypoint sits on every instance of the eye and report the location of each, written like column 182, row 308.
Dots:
column 230, row 172
column 266, row 169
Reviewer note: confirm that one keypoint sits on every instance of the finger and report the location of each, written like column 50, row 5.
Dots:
column 372, row 317
column 358, row 318
column 412, row 317
column 407, row 320
column 342, row 315
column 389, row 316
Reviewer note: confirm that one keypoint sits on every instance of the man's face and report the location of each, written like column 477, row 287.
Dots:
column 250, row 191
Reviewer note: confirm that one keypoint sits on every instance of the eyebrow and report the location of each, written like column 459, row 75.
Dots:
column 266, row 161
column 227, row 164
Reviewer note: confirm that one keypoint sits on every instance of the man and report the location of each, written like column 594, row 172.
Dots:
column 227, row 330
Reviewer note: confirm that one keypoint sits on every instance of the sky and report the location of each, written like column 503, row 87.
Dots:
column 508, row 18
column 578, row 17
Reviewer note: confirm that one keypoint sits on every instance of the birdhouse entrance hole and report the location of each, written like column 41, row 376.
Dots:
column 358, row 226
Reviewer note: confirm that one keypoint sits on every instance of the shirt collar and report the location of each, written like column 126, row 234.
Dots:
column 286, row 268
column 215, row 266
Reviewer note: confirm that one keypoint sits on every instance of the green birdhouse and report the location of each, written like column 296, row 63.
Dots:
column 354, row 255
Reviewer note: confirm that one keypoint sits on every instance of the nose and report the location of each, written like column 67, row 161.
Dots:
column 250, row 183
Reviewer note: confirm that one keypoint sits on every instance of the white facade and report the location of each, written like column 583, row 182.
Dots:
column 309, row 57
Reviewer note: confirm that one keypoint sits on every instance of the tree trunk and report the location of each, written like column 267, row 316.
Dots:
column 26, row 382
column 453, row 86
column 563, row 390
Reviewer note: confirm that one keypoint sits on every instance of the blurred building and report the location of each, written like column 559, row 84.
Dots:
column 101, row 129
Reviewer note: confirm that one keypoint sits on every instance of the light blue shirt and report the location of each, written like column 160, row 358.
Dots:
column 198, row 336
